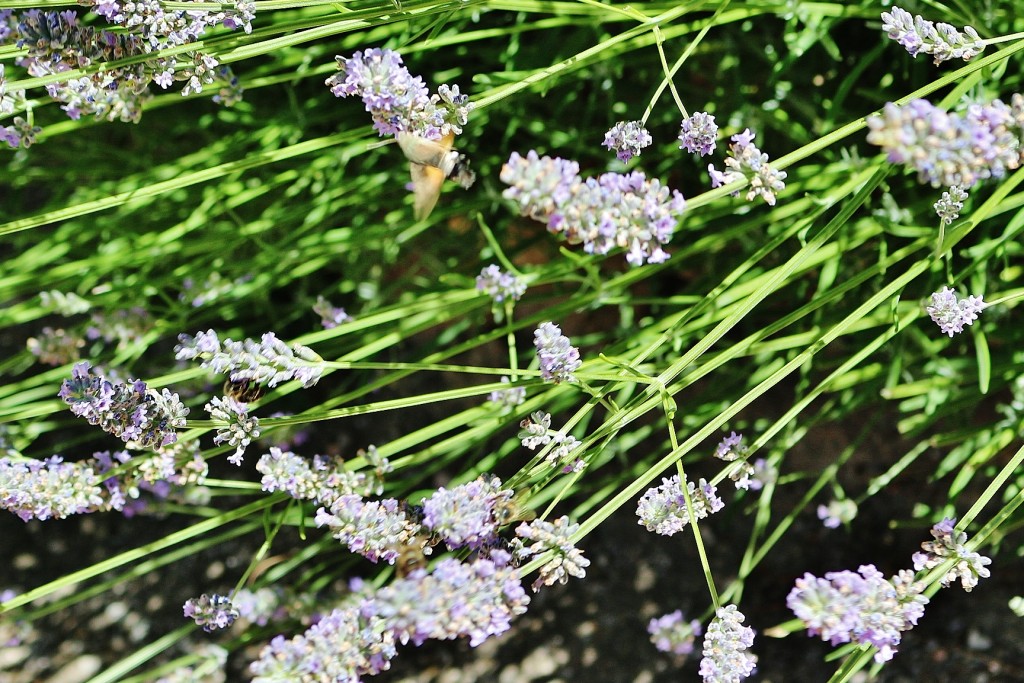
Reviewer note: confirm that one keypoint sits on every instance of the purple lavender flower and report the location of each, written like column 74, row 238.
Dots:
column 731, row 448
column 330, row 315
column 344, row 645
column 269, row 361
column 133, row 412
column 952, row 202
column 374, row 529
column 466, row 515
column 285, row 471
column 241, row 428
column 726, row 659
column 746, row 161
column 699, row 134
column 397, row 100
column 456, row 599
column 551, row 537
column 670, row 633
column 837, row 512
column 559, row 359
column 499, row 285
column 536, row 431
column 212, row 612
column 614, row 210
column 951, row 313
column 948, row 149
column 662, row 509
column 942, row 41
column 49, row 489
column 861, row 607
column 949, row 544
column 626, row 139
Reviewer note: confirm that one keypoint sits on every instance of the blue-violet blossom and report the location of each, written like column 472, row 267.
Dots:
column 951, row 313
column 969, row 566
column 726, row 659
column 662, row 509
column 920, row 36
column 559, row 359
column 746, row 161
column 626, row 139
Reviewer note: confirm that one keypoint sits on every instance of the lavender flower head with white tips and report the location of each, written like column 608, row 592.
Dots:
column 698, row 134
column 951, row 313
column 626, row 139
column 950, row 544
column 920, row 36
column 746, row 161
column 269, row 361
column 726, row 659
column 559, row 359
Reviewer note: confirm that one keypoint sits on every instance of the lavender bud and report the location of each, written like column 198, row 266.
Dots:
column 726, row 659
column 466, row 515
column 499, row 285
column 942, row 41
column 747, row 161
column 241, row 427
column 837, row 512
column 949, row 206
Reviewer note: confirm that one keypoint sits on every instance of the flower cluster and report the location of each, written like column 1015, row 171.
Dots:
column 968, row 565
column 951, row 313
column 612, row 210
column 62, row 303
column 476, row 599
column 344, row 645
column 726, row 659
column 499, row 285
column 731, row 448
column 58, row 42
column 949, row 149
column 288, row 472
column 241, row 428
column 920, row 36
column 212, row 612
column 49, row 489
column 140, row 416
column 259, row 606
column 330, row 316
column 950, row 204
column 536, row 431
column 554, row 537
column 662, row 509
column 862, row 607
column 671, row 633
column 507, row 398
column 377, row 530
column 559, row 359
column 626, row 139
column 837, row 512
column 467, row 515
column 398, row 101
column 699, row 134
column 269, row 361
column 748, row 162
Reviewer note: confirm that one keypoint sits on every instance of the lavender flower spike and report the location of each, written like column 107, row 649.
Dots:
column 951, row 313
column 671, row 633
column 499, row 285
column 626, row 139
column 662, row 509
column 269, row 361
column 949, row 544
column 212, row 612
column 559, row 359
column 241, row 427
column 554, row 536
column 698, row 134
column 49, row 489
column 941, row 41
column 950, row 204
column 133, row 412
column 726, row 659
column 747, row 161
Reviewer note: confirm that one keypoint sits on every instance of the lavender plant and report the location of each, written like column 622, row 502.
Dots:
column 831, row 337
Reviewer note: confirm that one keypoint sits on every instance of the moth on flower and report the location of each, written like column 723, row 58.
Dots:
column 424, row 125
column 430, row 163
